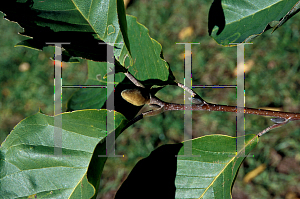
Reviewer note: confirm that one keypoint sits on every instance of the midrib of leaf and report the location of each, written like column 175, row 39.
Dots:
column 250, row 141
column 87, row 20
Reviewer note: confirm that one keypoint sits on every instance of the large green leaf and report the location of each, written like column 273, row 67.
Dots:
column 148, row 65
column 212, row 174
column 146, row 53
column 82, row 23
column 244, row 20
column 28, row 165
column 209, row 173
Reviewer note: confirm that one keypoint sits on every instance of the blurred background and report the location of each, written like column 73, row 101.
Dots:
column 272, row 81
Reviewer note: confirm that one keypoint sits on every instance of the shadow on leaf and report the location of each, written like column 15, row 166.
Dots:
column 154, row 176
column 216, row 17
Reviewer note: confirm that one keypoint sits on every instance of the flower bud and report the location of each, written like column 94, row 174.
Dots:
column 135, row 97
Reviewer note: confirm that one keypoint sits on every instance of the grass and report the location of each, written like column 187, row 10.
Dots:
column 273, row 81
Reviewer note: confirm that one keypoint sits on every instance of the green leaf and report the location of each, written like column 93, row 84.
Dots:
column 148, row 65
column 246, row 20
column 291, row 13
column 209, row 173
column 122, row 21
column 146, row 53
column 82, row 23
column 212, row 174
column 28, row 165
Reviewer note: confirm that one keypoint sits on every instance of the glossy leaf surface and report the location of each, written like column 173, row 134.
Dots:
column 208, row 173
column 245, row 20
column 28, row 164
column 212, row 173
column 81, row 24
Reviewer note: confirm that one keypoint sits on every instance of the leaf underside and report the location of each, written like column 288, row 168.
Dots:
column 246, row 20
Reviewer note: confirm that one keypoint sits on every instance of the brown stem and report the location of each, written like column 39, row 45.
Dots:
column 224, row 108
column 134, row 80
column 273, row 127
column 164, row 106
column 187, row 89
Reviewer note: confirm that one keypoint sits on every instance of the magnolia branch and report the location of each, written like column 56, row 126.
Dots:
column 202, row 105
column 225, row 108
column 138, row 97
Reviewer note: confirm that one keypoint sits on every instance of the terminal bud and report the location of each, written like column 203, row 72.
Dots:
column 135, row 96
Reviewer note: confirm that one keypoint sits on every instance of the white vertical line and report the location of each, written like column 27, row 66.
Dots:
column 57, row 135
column 240, row 100
column 110, row 103
column 188, row 128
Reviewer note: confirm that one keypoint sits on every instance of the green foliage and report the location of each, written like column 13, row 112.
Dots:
column 246, row 20
column 28, row 165
column 144, row 62
column 71, row 21
column 212, row 173
column 91, row 98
